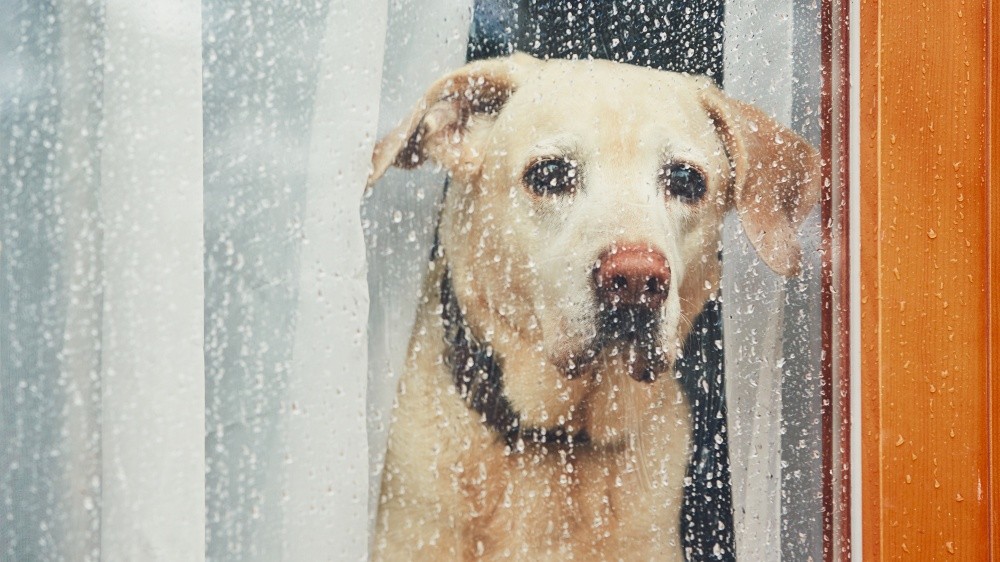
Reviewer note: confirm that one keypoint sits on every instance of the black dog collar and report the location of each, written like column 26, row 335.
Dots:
column 477, row 374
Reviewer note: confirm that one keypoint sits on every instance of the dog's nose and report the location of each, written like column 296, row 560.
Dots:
column 632, row 275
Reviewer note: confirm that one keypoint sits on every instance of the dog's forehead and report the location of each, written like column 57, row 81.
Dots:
column 597, row 102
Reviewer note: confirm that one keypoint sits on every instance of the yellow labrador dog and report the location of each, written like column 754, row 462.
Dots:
column 539, row 417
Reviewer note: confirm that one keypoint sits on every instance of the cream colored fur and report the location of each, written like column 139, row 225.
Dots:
column 522, row 268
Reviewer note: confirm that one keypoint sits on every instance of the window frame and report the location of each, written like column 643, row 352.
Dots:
column 899, row 433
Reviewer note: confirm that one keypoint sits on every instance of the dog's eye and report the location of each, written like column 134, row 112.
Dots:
column 684, row 182
column 552, row 176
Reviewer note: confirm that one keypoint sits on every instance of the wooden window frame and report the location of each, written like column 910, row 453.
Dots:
column 930, row 280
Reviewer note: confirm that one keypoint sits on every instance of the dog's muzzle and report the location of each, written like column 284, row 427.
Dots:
column 631, row 283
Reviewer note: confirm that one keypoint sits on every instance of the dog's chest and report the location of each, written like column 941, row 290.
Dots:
column 554, row 505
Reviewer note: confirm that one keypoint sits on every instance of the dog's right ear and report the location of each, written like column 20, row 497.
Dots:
column 437, row 128
column 775, row 181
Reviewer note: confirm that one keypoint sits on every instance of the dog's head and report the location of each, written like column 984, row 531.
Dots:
column 582, row 225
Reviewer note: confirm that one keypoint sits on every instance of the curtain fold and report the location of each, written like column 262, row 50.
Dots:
column 50, row 299
column 326, row 474
column 259, row 85
column 81, row 48
column 753, row 295
column 772, row 325
column 151, row 332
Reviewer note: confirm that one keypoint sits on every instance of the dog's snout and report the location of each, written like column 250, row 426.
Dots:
column 632, row 275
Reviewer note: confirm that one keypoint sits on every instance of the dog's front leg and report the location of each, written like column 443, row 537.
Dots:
column 422, row 512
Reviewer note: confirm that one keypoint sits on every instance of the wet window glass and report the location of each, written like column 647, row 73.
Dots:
column 401, row 280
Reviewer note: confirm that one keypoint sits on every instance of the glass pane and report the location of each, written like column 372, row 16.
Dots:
column 601, row 317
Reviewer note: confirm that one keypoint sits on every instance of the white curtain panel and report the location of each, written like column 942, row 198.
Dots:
column 772, row 325
column 758, row 69
column 104, row 297
column 151, row 334
column 326, row 475
column 153, row 401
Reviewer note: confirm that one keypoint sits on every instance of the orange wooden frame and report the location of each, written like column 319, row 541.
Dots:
column 993, row 253
column 930, row 280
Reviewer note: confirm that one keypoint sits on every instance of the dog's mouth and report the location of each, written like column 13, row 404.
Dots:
column 630, row 335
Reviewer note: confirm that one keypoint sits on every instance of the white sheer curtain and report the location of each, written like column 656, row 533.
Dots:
column 753, row 295
column 151, row 330
column 327, row 472
column 124, row 284
column 772, row 325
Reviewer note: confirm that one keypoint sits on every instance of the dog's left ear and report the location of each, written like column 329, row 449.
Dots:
column 438, row 127
column 776, row 178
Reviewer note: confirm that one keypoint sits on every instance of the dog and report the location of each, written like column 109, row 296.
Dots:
column 539, row 416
